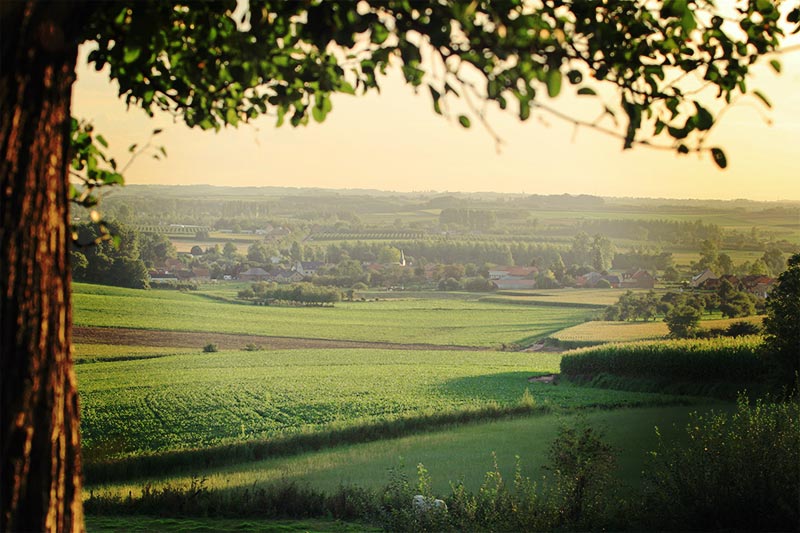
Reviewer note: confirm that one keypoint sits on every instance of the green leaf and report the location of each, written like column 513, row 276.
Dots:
column 436, row 96
column 688, row 22
column 102, row 141
column 157, row 131
column 703, row 119
column 318, row 113
column 553, row 82
column 464, row 121
column 346, row 88
column 776, row 65
column 131, row 54
column 231, row 117
column 132, row 148
column 683, row 149
column 719, row 157
column 761, row 96
column 587, row 91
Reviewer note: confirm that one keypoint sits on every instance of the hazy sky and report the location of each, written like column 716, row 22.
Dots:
column 394, row 141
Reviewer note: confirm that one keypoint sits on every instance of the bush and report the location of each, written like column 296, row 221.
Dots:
column 251, row 347
column 734, row 472
column 682, row 322
column 210, row 348
column 742, row 329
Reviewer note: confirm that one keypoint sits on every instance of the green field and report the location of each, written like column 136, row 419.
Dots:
column 196, row 400
column 441, row 322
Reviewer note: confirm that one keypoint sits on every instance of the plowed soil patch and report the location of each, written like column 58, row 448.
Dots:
column 227, row 341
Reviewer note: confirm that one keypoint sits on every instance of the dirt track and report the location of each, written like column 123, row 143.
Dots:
column 227, row 341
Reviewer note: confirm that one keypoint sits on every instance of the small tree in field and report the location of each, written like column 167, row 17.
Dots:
column 683, row 322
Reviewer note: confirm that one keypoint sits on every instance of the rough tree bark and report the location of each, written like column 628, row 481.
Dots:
column 41, row 467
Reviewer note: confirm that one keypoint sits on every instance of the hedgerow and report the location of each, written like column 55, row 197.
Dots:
column 720, row 359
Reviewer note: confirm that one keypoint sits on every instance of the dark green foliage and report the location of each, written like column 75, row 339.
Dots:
column 155, row 249
column 450, row 284
column 742, row 329
column 718, row 360
column 582, row 463
column 301, row 293
column 210, row 348
column 782, row 326
column 683, row 322
column 98, row 259
column 478, row 284
column 735, row 472
column 632, row 306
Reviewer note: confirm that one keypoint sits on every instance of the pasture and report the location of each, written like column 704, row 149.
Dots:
column 429, row 321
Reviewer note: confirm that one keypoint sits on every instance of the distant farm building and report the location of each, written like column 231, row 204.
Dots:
column 254, row 274
column 638, row 279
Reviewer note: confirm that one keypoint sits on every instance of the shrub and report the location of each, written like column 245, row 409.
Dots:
column 682, row 322
column 734, row 472
column 251, row 347
column 742, row 329
column 210, row 348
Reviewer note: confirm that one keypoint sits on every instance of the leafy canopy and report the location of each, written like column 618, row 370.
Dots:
column 211, row 65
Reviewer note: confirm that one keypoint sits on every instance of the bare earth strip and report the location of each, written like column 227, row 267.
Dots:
column 228, row 341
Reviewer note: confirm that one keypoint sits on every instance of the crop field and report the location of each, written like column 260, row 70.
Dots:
column 601, row 331
column 431, row 321
column 199, row 399
column 94, row 353
column 735, row 361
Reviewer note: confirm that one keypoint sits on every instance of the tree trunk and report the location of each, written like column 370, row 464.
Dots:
column 40, row 479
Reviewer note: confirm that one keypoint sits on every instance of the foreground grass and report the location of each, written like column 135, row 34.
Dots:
column 430, row 321
column 103, row 524
column 631, row 431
